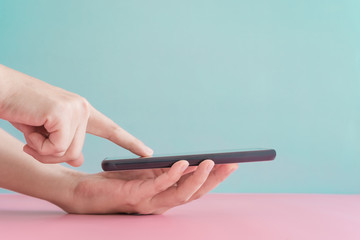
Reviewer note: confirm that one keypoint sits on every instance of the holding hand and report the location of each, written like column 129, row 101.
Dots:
column 151, row 191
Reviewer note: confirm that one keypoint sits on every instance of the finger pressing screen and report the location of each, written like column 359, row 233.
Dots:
column 104, row 127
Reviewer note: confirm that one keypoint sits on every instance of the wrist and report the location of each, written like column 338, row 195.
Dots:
column 62, row 188
column 6, row 87
column 3, row 88
column 23, row 174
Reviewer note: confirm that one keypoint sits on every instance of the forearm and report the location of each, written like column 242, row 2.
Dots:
column 12, row 85
column 21, row 173
column 11, row 82
column 4, row 86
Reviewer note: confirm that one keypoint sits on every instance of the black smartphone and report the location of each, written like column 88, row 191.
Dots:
column 254, row 155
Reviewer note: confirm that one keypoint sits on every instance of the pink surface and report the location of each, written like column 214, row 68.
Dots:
column 215, row 216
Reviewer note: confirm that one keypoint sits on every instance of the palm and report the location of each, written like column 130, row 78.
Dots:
column 148, row 191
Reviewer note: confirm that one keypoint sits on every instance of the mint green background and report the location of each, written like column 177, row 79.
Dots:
column 192, row 76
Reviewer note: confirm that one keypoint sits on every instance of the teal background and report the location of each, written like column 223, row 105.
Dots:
column 192, row 76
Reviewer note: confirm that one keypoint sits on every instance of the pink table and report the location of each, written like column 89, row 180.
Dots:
column 215, row 216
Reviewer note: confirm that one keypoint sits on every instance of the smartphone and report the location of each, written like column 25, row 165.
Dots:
column 254, row 155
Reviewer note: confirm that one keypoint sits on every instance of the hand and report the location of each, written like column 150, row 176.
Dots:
column 134, row 191
column 145, row 191
column 54, row 121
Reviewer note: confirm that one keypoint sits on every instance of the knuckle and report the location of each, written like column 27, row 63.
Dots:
column 59, row 154
column 49, row 151
column 196, row 196
column 198, row 181
column 173, row 178
column 62, row 107
column 159, row 187
column 84, row 105
column 60, row 149
column 57, row 113
column 70, row 103
column 41, row 151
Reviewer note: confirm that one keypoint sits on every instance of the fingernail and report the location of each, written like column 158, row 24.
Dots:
column 184, row 166
column 210, row 167
column 148, row 151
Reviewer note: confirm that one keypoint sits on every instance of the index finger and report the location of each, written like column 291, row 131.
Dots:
column 104, row 127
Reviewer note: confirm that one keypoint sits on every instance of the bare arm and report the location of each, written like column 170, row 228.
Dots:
column 21, row 173
column 136, row 191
